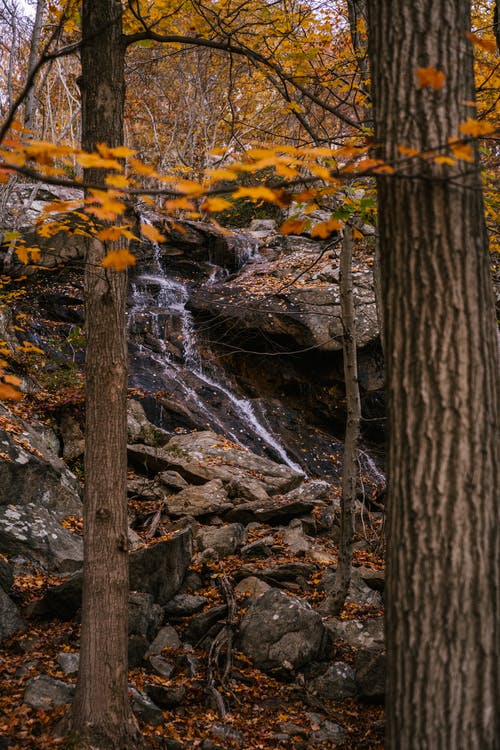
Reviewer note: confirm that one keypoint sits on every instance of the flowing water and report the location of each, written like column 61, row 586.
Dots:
column 165, row 356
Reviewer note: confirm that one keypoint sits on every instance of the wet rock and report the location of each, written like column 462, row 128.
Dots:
column 336, row 683
column 140, row 429
column 144, row 708
column 69, row 662
column 223, row 539
column 370, row 669
column 200, row 501
column 44, row 693
column 281, row 633
column 10, row 619
column 183, row 605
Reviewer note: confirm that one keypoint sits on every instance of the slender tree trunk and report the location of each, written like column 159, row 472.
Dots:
column 443, row 566
column 334, row 603
column 30, row 103
column 102, row 717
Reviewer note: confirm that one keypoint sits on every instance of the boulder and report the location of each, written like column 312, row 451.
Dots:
column 200, row 501
column 295, row 571
column 184, row 605
column 6, row 574
column 43, row 693
column 69, row 662
column 73, row 440
column 223, row 539
column 144, row 708
column 365, row 634
column 10, row 619
column 157, row 569
column 144, row 616
column 336, row 683
column 252, row 587
column 202, row 624
column 166, row 696
column 280, row 633
column 166, row 638
column 140, row 429
column 161, row 666
column 34, row 533
column 370, row 669
column 202, row 456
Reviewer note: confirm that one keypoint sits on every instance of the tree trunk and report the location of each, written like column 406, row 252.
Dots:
column 30, row 103
column 334, row 603
column 102, row 717
column 443, row 568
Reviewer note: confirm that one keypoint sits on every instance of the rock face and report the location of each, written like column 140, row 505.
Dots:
column 37, row 491
column 280, row 633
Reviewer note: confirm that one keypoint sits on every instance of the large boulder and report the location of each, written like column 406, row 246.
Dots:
column 157, row 569
column 37, row 491
column 280, row 633
column 200, row 500
column 202, row 456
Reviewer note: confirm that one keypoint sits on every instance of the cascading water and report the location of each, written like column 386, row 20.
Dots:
column 166, row 355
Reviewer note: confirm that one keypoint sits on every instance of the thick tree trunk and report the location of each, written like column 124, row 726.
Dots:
column 102, row 717
column 443, row 567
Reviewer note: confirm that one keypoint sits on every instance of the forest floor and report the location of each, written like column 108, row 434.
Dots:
column 260, row 707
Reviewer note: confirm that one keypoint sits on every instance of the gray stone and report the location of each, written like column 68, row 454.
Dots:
column 73, row 440
column 172, row 480
column 6, row 574
column 161, row 666
column 200, row 501
column 366, row 634
column 370, row 669
column 282, row 633
column 337, row 683
column 69, row 662
column 260, row 548
column 166, row 638
column 44, row 693
column 296, row 540
column 144, row 708
column 35, row 533
column 228, row 734
column 373, row 578
column 10, row 619
column 166, row 696
column 183, row 605
column 223, row 539
column 252, row 587
column 144, row 616
column 202, row 624
column 140, row 429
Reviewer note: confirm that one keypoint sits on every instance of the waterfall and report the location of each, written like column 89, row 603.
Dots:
column 172, row 357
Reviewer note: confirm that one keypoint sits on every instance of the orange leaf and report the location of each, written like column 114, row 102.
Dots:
column 215, row 204
column 255, row 193
column 430, row 77
column 408, row 151
column 445, row 160
column 152, row 233
column 325, row 228
column 293, row 226
column 9, row 393
column 117, row 180
column 476, row 128
column 477, row 41
column 462, row 151
column 119, row 260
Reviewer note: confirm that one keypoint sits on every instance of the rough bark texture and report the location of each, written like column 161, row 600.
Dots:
column 441, row 356
column 102, row 717
column 31, row 102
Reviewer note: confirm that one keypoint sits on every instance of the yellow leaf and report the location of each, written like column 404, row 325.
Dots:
column 119, row 152
column 356, row 234
column 320, row 171
column 445, row 160
column 12, row 379
column 284, row 170
column 117, row 180
column 430, row 77
column 478, row 41
column 223, row 173
column 256, row 193
column 476, row 128
column 118, row 260
column 189, row 187
column 293, row 226
column 9, row 393
column 152, row 233
column 408, row 151
column 114, row 233
column 88, row 161
column 260, row 153
column 325, row 228
column 215, row 204
column 143, row 169
column 462, row 151
column 182, row 203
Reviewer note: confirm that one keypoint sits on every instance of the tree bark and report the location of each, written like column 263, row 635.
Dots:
column 30, row 103
column 102, row 717
column 443, row 571
column 334, row 603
